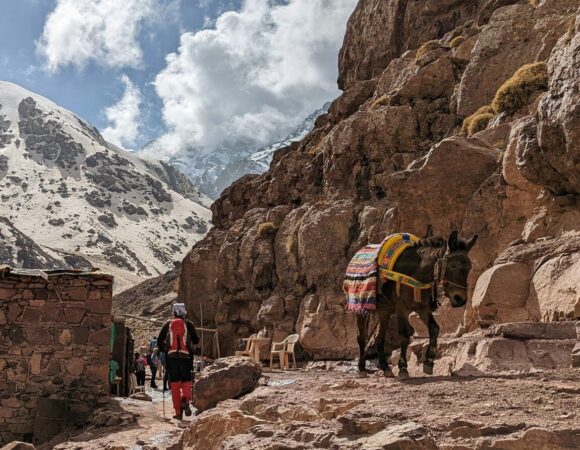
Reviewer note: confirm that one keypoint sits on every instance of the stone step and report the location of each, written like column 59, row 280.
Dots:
column 483, row 354
column 535, row 330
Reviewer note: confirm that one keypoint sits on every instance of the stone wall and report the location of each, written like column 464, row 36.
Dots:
column 54, row 347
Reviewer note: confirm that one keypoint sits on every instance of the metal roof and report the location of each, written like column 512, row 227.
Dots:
column 47, row 273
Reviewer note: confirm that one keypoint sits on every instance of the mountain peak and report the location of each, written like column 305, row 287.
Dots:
column 68, row 191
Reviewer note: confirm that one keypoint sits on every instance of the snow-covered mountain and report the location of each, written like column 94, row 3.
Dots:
column 213, row 171
column 68, row 198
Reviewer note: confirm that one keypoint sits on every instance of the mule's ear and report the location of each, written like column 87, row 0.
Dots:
column 452, row 241
column 471, row 242
column 429, row 232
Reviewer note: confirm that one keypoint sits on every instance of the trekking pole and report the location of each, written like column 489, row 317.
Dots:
column 163, row 401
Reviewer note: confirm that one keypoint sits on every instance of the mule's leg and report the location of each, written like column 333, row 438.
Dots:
column 431, row 351
column 405, row 332
column 384, row 319
column 361, row 323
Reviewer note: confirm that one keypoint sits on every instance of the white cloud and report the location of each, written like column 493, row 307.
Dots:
column 124, row 116
column 254, row 76
column 106, row 32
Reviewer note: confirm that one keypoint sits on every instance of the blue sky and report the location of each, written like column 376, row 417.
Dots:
column 236, row 71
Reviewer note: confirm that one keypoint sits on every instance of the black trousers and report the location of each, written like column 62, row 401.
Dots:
column 179, row 369
column 165, row 378
column 153, row 374
column 140, row 378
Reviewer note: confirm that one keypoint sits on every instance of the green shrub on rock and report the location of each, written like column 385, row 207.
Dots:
column 516, row 92
column 383, row 100
column 455, row 33
column 479, row 123
column 478, row 120
column 457, row 41
column 427, row 47
column 266, row 228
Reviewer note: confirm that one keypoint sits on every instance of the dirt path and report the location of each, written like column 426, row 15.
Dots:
column 335, row 409
column 145, row 427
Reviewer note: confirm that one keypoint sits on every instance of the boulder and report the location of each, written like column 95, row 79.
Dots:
column 556, row 263
column 538, row 438
column 554, row 288
column 501, row 293
column 211, row 429
column 405, row 436
column 141, row 396
column 226, row 378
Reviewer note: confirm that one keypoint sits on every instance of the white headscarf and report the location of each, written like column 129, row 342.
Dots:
column 179, row 309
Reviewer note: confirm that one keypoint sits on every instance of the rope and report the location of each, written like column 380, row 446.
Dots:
column 400, row 278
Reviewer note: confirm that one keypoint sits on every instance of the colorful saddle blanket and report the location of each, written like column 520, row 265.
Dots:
column 361, row 278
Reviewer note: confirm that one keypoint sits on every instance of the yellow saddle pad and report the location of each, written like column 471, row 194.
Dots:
column 392, row 247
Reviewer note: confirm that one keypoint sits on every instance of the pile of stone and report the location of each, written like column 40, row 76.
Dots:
column 113, row 418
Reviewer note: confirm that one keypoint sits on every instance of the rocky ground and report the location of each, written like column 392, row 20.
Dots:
column 328, row 406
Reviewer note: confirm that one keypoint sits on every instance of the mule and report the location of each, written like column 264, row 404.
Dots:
column 446, row 264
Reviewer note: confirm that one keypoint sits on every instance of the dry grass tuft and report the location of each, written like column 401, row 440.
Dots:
column 516, row 92
column 534, row 3
column 478, row 120
column 457, row 41
column 383, row 100
column 427, row 47
column 266, row 228
column 479, row 123
column 455, row 33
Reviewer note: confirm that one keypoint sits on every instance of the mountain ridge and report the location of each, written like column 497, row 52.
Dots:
column 212, row 171
column 72, row 193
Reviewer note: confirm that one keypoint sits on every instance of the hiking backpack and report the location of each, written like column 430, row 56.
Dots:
column 139, row 367
column 178, row 340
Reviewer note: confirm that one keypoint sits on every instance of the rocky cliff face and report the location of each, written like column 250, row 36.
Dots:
column 391, row 156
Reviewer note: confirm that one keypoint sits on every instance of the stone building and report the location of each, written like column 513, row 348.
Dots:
column 54, row 349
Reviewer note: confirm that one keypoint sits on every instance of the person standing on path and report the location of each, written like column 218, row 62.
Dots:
column 177, row 339
column 139, row 365
column 153, row 362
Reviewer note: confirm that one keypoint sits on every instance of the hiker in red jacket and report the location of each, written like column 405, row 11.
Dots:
column 177, row 339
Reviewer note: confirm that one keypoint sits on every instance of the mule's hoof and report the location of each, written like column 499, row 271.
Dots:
column 428, row 369
column 403, row 374
column 362, row 373
column 388, row 373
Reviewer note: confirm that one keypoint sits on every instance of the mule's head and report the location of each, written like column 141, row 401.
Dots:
column 455, row 268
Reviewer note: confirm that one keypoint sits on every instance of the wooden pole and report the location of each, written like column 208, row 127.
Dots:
column 201, row 320
column 161, row 322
